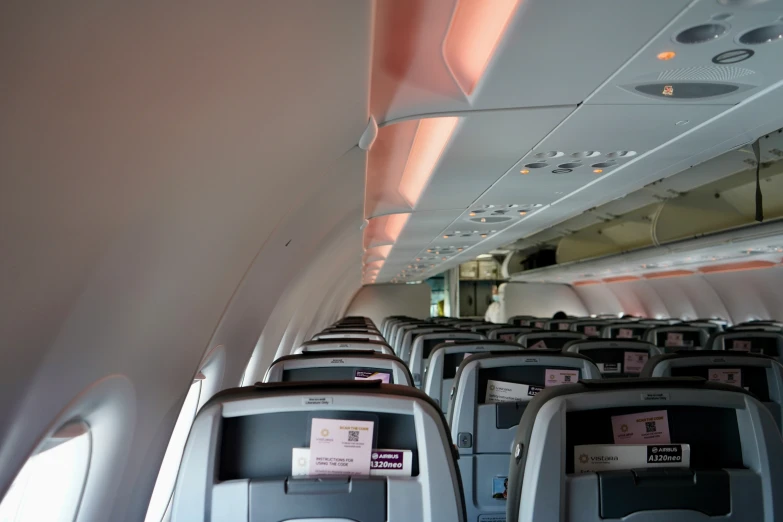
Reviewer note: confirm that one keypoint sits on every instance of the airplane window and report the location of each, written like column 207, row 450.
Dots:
column 49, row 486
column 167, row 476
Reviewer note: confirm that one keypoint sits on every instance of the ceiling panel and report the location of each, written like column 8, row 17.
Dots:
column 554, row 52
column 604, row 130
column 484, row 146
column 693, row 62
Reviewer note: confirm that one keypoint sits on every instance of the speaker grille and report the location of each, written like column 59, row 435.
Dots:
column 705, row 73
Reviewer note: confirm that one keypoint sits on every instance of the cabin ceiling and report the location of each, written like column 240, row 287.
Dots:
column 498, row 121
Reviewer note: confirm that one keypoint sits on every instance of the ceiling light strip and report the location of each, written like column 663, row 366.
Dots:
column 432, row 136
column 474, row 33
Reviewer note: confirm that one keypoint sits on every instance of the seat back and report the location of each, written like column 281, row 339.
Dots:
column 709, row 452
column 548, row 340
column 339, row 365
column 560, row 325
column 521, row 320
column 343, row 344
column 759, row 374
column 490, row 393
column 445, row 360
column 349, row 334
column 615, row 357
column 399, row 333
column 424, row 345
column 708, row 326
column 591, row 328
column 392, row 320
column 753, row 341
column 677, row 337
column 404, row 349
column 251, row 450
column 484, row 329
column 509, row 333
column 624, row 331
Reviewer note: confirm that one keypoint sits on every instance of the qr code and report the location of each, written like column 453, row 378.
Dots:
column 650, row 426
column 353, row 436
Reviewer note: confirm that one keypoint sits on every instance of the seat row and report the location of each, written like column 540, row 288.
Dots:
column 338, row 431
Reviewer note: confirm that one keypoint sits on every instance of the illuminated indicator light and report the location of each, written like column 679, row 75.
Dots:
column 483, row 235
column 666, row 55
column 483, row 220
column 474, row 32
column 459, row 250
column 668, row 90
column 442, row 258
column 418, row 259
column 431, row 266
column 437, row 253
column 524, row 171
column 429, row 250
column 445, row 237
column 598, row 171
column 472, row 214
column 522, row 212
column 431, row 138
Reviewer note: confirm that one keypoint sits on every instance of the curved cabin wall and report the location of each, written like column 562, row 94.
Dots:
column 380, row 301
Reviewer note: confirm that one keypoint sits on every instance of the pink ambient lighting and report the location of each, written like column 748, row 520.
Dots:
column 473, row 35
column 432, row 136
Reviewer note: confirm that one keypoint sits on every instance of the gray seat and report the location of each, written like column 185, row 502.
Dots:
column 521, row 320
column 759, row 374
column 403, row 351
column 734, row 449
column 590, row 328
column 484, row 428
column 677, row 337
column 339, row 365
column 343, row 344
column 239, row 465
column 560, row 325
column 445, row 360
column 423, row 346
column 548, row 340
column 624, row 331
column 350, row 334
column 753, row 341
column 615, row 357
column 508, row 333
column 396, row 341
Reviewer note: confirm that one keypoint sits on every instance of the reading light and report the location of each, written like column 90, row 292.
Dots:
column 524, row 171
column 598, row 171
column 666, row 55
column 472, row 214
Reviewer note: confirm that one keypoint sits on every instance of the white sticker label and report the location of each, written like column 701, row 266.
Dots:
column 557, row 377
column 605, row 457
column 634, row 361
column 657, row 396
column 610, row 367
column 340, row 447
column 539, row 344
column 625, row 333
column 740, row 346
column 383, row 462
column 641, row 428
column 316, row 401
column 499, row 391
column 591, row 331
column 563, row 326
column 673, row 339
column 726, row 376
